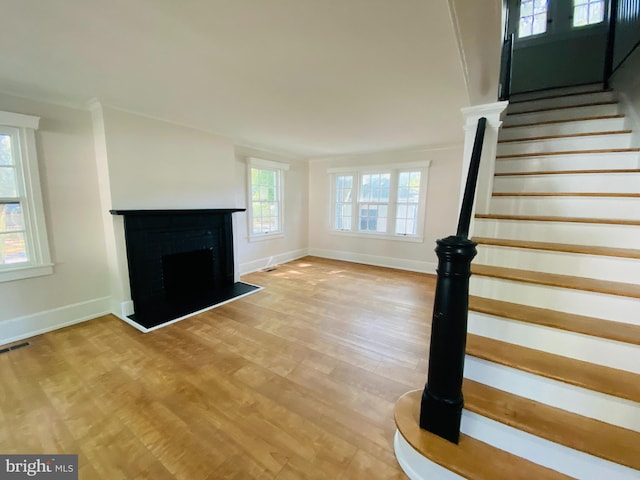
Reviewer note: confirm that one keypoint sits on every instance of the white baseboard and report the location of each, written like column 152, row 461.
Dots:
column 27, row 326
column 262, row 263
column 378, row 261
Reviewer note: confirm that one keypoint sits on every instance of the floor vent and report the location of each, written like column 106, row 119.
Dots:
column 14, row 347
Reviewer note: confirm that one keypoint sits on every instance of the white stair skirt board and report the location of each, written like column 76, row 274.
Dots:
column 623, row 182
column 562, row 114
column 569, row 100
column 543, row 452
column 566, row 144
column 416, row 466
column 552, row 92
column 588, row 403
column 580, row 302
column 606, row 235
column 564, row 128
column 615, row 269
column 601, row 351
column 582, row 161
column 624, row 208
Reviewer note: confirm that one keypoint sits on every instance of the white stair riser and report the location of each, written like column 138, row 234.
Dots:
column 552, row 92
column 622, row 356
column 622, row 208
column 566, row 144
column 580, row 302
column 564, row 128
column 565, row 101
column 619, row 236
column 578, row 182
column 416, row 466
column 563, row 114
column 586, row 161
column 614, row 269
column 614, row 410
column 541, row 451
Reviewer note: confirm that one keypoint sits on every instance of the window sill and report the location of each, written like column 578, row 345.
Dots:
column 379, row 236
column 262, row 238
column 27, row 271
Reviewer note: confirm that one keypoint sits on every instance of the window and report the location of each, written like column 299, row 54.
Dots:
column 533, row 17
column 587, row 12
column 24, row 250
column 266, row 180
column 388, row 202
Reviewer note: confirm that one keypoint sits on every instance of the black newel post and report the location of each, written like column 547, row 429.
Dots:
column 441, row 407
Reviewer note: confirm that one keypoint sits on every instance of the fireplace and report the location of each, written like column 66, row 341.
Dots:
column 180, row 262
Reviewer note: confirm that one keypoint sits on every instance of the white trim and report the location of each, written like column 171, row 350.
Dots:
column 139, row 327
column 29, row 195
column 19, row 120
column 260, row 162
column 383, row 166
column 379, row 236
column 272, row 261
column 280, row 169
column 378, row 261
column 35, row 324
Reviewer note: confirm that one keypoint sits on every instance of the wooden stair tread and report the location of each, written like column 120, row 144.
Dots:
column 564, row 107
column 567, row 135
column 610, row 442
column 596, row 327
column 561, row 247
column 471, row 458
column 611, row 381
column 568, row 152
column 548, row 218
column 567, row 194
column 558, row 280
column 567, row 172
column 565, row 120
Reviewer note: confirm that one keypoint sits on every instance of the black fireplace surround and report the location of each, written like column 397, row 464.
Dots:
column 180, row 262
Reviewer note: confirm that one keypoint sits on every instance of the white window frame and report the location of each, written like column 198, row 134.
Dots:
column 280, row 169
column 394, row 170
column 22, row 129
column 588, row 3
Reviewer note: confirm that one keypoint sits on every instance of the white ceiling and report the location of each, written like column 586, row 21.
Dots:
column 303, row 77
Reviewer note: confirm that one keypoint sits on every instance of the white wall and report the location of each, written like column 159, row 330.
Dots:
column 441, row 213
column 255, row 255
column 154, row 164
column 626, row 81
column 78, row 288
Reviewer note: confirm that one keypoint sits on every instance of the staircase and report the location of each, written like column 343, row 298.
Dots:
column 552, row 373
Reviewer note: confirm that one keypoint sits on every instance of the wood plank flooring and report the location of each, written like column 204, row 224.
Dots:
column 298, row 381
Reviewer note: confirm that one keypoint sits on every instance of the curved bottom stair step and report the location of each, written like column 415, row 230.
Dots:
column 610, row 381
column 596, row 327
column 471, row 458
column 600, row 439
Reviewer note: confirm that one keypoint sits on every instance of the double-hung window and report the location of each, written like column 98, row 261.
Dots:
column 24, row 249
column 588, row 12
column 533, row 17
column 266, row 198
column 385, row 201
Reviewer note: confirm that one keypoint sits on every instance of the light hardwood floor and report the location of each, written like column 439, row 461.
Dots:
column 297, row 381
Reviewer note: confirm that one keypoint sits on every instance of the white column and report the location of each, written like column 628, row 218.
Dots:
column 493, row 113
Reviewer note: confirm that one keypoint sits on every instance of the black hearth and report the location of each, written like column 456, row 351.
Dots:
column 180, row 262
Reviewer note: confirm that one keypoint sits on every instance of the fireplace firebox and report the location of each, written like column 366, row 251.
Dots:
column 180, row 262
